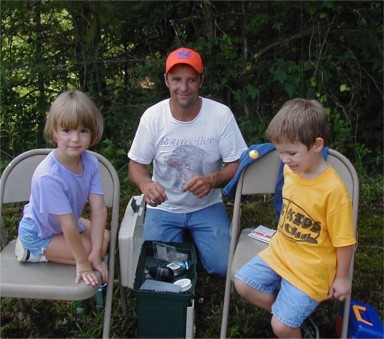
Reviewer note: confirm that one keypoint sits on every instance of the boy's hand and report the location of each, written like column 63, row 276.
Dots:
column 340, row 289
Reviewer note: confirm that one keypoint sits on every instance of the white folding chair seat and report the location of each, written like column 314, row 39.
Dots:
column 253, row 247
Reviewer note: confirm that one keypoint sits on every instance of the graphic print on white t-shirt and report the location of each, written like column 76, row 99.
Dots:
column 188, row 162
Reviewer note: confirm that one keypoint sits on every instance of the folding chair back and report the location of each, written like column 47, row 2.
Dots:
column 260, row 177
column 50, row 280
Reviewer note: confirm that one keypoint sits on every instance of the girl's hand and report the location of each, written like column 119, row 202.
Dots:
column 86, row 274
column 101, row 267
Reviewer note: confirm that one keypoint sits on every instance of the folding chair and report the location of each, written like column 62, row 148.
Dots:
column 50, row 280
column 260, row 177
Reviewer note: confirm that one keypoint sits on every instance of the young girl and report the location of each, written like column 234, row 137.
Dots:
column 52, row 228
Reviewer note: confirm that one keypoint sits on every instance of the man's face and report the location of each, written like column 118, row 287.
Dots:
column 184, row 83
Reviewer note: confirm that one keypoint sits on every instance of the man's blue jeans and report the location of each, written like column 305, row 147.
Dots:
column 208, row 227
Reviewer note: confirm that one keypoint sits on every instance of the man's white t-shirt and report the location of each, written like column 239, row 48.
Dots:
column 180, row 150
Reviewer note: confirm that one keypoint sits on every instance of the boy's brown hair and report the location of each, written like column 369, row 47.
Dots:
column 299, row 120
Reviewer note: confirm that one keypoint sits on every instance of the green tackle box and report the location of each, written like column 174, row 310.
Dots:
column 165, row 314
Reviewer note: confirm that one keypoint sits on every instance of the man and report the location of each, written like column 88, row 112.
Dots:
column 195, row 145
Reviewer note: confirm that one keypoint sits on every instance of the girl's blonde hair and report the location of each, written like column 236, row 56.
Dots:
column 299, row 120
column 74, row 109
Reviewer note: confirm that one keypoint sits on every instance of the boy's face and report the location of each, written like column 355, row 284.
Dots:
column 300, row 159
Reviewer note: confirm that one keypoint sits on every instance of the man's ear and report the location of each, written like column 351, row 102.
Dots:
column 166, row 79
column 201, row 80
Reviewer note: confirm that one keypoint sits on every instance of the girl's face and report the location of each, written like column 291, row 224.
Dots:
column 300, row 159
column 72, row 142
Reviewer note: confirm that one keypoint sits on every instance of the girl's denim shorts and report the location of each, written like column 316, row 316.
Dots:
column 292, row 306
column 30, row 239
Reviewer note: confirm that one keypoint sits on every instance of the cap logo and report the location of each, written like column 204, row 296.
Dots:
column 184, row 55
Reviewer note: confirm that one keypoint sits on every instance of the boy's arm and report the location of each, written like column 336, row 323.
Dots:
column 341, row 286
column 72, row 237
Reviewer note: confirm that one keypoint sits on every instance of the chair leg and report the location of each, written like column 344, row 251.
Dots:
column 22, row 305
column 123, row 298
column 108, row 311
column 309, row 329
column 108, row 299
column 227, row 297
column 344, row 329
column 123, row 291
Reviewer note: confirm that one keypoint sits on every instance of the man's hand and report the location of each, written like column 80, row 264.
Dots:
column 154, row 193
column 200, row 185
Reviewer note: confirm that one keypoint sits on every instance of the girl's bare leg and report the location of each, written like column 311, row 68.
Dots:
column 59, row 252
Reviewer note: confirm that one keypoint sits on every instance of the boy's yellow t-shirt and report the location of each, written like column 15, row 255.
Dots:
column 315, row 219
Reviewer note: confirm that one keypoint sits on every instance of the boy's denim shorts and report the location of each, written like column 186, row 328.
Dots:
column 292, row 306
column 30, row 239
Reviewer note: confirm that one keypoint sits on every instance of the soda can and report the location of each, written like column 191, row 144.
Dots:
column 100, row 297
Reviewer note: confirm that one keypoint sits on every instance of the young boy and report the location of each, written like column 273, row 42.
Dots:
column 309, row 257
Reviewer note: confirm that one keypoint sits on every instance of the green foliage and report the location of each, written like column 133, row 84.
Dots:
column 287, row 75
column 256, row 57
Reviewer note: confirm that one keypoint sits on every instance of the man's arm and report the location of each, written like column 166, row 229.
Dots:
column 201, row 185
column 154, row 193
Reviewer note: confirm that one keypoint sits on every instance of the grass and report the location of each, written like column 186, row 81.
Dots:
column 57, row 319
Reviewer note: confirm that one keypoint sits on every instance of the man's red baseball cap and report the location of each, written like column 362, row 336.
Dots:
column 184, row 56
